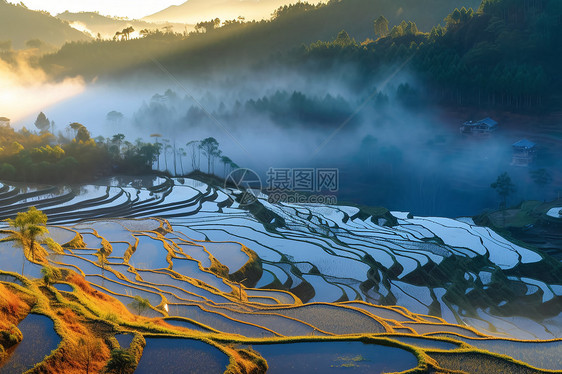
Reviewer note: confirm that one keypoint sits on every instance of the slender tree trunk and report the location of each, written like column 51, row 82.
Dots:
column 503, row 216
column 175, row 165
column 23, row 261
column 181, row 165
column 158, row 160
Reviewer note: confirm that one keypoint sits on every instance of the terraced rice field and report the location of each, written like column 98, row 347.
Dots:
column 301, row 287
column 335, row 357
column 181, row 356
column 39, row 339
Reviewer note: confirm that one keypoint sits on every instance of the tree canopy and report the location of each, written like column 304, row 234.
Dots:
column 504, row 187
column 121, row 361
column 42, row 123
column 381, row 26
column 27, row 227
column 210, row 148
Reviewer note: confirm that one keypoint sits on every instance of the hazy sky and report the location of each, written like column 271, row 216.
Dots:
column 121, row 8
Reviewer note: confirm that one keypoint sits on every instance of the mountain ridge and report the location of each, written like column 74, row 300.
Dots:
column 193, row 11
column 107, row 25
column 19, row 25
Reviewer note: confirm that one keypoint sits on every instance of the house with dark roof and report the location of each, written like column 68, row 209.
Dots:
column 524, row 152
column 4, row 121
column 485, row 126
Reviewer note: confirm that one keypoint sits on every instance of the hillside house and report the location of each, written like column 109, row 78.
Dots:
column 485, row 126
column 523, row 153
column 4, row 121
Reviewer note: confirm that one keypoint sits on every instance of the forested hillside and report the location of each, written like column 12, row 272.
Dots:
column 97, row 23
column 19, row 25
column 194, row 11
column 356, row 16
column 45, row 158
column 507, row 55
column 108, row 26
column 247, row 42
column 504, row 54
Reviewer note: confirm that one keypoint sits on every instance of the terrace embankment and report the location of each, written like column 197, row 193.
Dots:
column 529, row 223
column 151, row 279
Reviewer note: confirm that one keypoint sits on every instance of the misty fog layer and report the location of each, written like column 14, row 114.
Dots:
column 388, row 153
column 26, row 90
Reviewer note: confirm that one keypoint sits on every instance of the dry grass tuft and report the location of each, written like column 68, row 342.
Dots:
column 83, row 284
column 14, row 306
column 76, row 243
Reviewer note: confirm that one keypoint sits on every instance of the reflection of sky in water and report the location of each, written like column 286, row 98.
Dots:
column 39, row 339
column 335, row 357
column 150, row 254
column 11, row 256
column 181, row 356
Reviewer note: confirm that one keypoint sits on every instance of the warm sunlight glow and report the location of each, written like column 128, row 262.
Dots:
column 201, row 186
column 25, row 91
column 22, row 101
column 136, row 9
column 81, row 27
column 122, row 8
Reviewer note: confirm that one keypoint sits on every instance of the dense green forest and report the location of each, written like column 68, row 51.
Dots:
column 19, row 25
column 506, row 54
column 43, row 157
column 243, row 42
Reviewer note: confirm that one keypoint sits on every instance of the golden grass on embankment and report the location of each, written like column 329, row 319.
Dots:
column 252, row 270
column 86, row 320
column 425, row 363
column 83, row 345
column 14, row 306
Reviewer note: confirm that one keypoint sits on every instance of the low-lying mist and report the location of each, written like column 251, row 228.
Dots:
column 27, row 90
column 388, row 153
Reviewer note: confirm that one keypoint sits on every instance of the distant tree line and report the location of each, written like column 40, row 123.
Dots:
column 194, row 150
column 75, row 156
column 284, row 108
column 43, row 157
column 505, row 187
